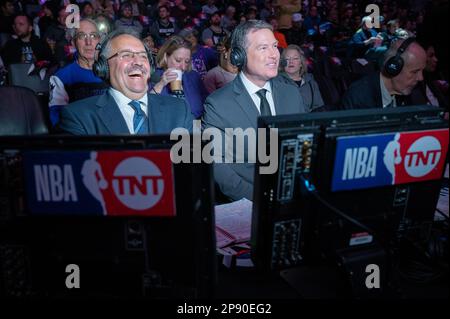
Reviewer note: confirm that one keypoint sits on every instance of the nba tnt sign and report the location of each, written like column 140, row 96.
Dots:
column 141, row 183
column 422, row 155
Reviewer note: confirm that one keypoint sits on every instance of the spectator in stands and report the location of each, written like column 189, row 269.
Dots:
column 210, row 8
column 228, row 20
column 182, row 12
column 137, row 8
column 267, row 11
column 7, row 16
column 294, row 67
column 150, row 43
column 104, row 24
column 104, row 7
column 365, row 38
column 223, row 73
column 87, row 10
column 76, row 81
column 251, row 13
column 176, row 54
column 377, row 52
column 46, row 17
column 312, row 21
column 391, row 86
column 203, row 58
column 388, row 36
column 295, row 34
column 126, row 107
column 56, row 38
column 282, row 44
column 432, row 90
column 163, row 28
column 27, row 48
column 284, row 10
column 214, row 34
column 127, row 21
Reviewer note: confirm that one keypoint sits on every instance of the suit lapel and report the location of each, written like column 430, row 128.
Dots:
column 109, row 113
column 245, row 101
column 155, row 111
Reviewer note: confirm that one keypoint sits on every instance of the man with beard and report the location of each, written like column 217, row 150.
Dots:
column 76, row 81
column 163, row 28
column 27, row 48
column 126, row 107
column 214, row 35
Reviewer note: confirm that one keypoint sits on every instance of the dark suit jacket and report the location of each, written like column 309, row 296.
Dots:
column 232, row 107
column 100, row 115
column 366, row 93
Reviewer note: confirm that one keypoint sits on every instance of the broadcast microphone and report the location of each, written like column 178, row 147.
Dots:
column 283, row 63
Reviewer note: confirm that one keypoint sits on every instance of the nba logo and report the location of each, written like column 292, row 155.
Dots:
column 388, row 159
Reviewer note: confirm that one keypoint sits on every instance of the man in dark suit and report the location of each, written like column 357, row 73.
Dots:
column 255, row 91
column 392, row 86
column 126, row 107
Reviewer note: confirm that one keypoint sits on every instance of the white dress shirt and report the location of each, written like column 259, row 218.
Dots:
column 126, row 109
column 252, row 89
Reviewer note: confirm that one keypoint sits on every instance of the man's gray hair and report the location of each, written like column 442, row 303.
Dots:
column 106, row 43
column 392, row 51
column 239, row 36
column 71, row 32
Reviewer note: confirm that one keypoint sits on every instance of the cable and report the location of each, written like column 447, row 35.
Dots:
column 311, row 188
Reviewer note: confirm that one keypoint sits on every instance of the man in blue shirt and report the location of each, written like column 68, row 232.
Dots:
column 76, row 81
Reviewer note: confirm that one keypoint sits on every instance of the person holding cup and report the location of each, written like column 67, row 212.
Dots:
column 176, row 77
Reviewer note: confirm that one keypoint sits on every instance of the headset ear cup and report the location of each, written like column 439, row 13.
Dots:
column 238, row 57
column 101, row 69
column 393, row 66
column 151, row 59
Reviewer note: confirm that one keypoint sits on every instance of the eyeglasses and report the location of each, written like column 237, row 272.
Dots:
column 292, row 59
column 128, row 56
column 85, row 36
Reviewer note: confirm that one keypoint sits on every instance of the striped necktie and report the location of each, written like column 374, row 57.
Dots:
column 140, row 123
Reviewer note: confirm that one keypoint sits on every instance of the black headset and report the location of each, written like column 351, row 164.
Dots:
column 394, row 65
column 238, row 57
column 100, row 66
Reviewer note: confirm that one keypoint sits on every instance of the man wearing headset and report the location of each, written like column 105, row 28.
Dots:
column 257, row 90
column 401, row 71
column 126, row 107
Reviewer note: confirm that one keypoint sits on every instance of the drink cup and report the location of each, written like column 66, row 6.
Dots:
column 176, row 84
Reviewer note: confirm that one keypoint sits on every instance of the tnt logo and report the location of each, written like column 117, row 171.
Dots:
column 422, row 156
column 138, row 183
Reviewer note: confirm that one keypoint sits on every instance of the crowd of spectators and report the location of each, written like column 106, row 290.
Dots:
column 193, row 34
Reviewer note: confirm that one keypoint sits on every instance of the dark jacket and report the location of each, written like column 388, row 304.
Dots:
column 101, row 115
column 309, row 89
column 419, row 95
column 366, row 93
column 12, row 52
column 232, row 107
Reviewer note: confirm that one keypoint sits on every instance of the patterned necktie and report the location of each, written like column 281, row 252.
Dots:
column 264, row 107
column 140, row 123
